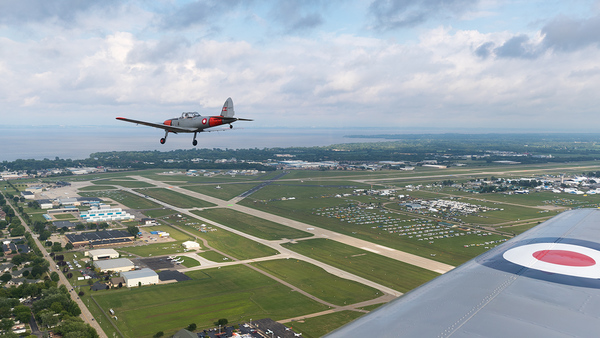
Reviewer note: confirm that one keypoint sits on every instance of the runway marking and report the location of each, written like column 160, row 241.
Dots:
column 371, row 250
column 383, row 247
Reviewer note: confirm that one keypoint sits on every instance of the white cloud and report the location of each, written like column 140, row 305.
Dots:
column 446, row 77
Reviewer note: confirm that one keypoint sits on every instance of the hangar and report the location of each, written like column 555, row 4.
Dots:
column 102, row 254
column 116, row 265
column 144, row 276
column 190, row 245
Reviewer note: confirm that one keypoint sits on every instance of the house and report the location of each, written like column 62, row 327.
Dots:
column 115, row 281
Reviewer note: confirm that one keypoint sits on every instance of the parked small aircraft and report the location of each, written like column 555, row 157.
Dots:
column 192, row 122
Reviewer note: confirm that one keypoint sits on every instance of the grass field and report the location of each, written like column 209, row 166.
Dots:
column 127, row 183
column 385, row 271
column 156, row 213
column 97, row 187
column 447, row 250
column 174, row 198
column 318, row 282
column 155, row 249
column 212, row 256
column 231, row 244
column 252, row 225
column 173, row 233
column 65, row 217
column 319, row 326
column 128, row 199
column 188, row 262
column 225, row 191
column 236, row 293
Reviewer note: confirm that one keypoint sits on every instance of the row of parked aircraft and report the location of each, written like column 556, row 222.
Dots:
column 175, row 259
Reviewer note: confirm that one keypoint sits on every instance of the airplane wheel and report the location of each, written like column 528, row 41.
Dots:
column 230, row 126
column 162, row 140
column 195, row 143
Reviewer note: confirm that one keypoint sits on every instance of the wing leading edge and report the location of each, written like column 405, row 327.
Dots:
column 161, row 126
column 545, row 282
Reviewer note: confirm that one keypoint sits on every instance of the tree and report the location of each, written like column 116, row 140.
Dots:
column 192, row 327
column 6, row 277
column 222, row 322
column 56, row 247
column 54, row 276
column 133, row 230
column 159, row 334
column 68, row 246
column 81, row 293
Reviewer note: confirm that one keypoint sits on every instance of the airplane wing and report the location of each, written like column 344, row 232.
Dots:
column 161, row 126
column 542, row 283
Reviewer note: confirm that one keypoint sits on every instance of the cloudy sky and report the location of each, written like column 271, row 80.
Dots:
column 446, row 64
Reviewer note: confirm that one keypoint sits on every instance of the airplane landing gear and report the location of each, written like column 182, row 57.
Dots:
column 230, row 126
column 194, row 142
column 164, row 139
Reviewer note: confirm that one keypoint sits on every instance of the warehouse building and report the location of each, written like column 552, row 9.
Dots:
column 97, row 239
column 115, row 265
column 144, row 276
column 99, row 254
column 105, row 213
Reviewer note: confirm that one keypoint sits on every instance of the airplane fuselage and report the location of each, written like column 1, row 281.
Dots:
column 198, row 122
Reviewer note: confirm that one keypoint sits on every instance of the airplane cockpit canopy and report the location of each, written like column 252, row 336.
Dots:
column 189, row 115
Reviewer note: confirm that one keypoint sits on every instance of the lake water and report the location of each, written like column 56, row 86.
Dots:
column 22, row 142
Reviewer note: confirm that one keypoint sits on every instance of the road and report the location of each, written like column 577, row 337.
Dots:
column 85, row 313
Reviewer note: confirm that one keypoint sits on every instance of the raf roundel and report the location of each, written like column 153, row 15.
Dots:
column 203, row 121
column 565, row 259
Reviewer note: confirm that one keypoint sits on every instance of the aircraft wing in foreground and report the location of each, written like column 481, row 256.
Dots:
column 192, row 122
column 543, row 283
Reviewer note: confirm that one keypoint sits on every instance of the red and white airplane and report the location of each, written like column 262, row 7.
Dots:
column 192, row 122
column 542, row 283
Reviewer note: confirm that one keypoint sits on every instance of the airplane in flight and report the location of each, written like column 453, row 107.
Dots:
column 192, row 122
column 542, row 283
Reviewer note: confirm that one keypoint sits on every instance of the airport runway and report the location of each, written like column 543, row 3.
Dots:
column 402, row 256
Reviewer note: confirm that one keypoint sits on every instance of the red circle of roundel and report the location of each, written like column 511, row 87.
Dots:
column 203, row 121
column 564, row 257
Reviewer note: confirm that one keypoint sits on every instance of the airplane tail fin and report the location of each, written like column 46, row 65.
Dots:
column 227, row 110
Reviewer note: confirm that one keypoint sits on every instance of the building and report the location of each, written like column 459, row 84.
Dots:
column 67, row 225
column 190, row 245
column 115, row 265
column 97, row 239
column 99, row 254
column 144, row 276
column 45, row 203
column 105, row 213
column 115, row 281
column 148, row 221
column 28, row 195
